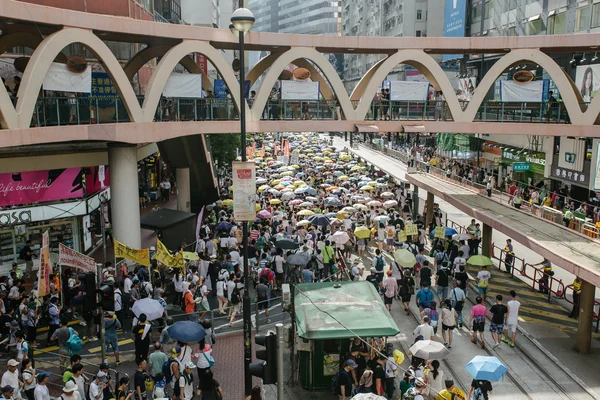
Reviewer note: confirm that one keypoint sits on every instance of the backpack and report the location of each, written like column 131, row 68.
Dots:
column 483, row 283
column 379, row 264
column 427, row 299
column 22, row 254
column 144, row 290
column 434, row 317
column 223, row 275
column 166, row 370
column 74, row 343
column 236, row 298
column 478, row 394
column 335, row 383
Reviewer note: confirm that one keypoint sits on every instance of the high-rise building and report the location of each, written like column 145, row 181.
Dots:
column 386, row 18
column 315, row 17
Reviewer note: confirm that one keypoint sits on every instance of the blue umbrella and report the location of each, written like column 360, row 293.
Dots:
column 311, row 191
column 300, row 175
column 319, row 220
column 336, row 192
column 223, row 226
column 486, row 368
column 186, row 331
column 331, row 215
column 448, row 232
column 333, row 201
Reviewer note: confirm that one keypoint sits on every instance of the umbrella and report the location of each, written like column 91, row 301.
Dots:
column 186, row 331
column 188, row 255
column 367, row 188
column 264, row 214
column 333, row 201
column 336, row 221
column 429, row 350
column 260, row 181
column 362, row 232
column 298, row 259
column 223, row 226
column 349, row 209
column 301, row 190
column 306, row 204
column 294, row 202
column 288, row 196
column 274, row 201
column 480, row 261
column 461, row 236
column 286, row 244
column 381, row 218
column 319, row 220
column 374, row 203
column 305, row 213
column 448, row 231
column 367, row 396
column 405, row 258
column 310, row 198
column 390, row 203
column 360, row 207
column 387, row 194
column 263, row 188
column 227, row 202
column 274, row 192
column 486, row 368
column 304, row 222
column 340, row 237
column 311, row 191
column 152, row 308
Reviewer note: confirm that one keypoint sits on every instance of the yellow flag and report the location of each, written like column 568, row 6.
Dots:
column 164, row 256
column 140, row 256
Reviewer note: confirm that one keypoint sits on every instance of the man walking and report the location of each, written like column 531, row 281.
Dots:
column 512, row 319
column 62, row 335
column 390, row 287
column 498, row 312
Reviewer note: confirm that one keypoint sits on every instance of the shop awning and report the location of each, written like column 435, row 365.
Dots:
column 334, row 310
column 413, row 128
column 367, row 128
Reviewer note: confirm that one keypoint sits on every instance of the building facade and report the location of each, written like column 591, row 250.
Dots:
column 315, row 17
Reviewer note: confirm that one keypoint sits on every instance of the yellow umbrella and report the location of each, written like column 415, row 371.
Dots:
column 274, row 201
column 344, row 178
column 257, row 207
column 367, row 188
column 372, row 183
column 362, row 232
column 276, row 182
column 287, row 173
column 269, row 159
column 305, row 213
column 188, row 255
column 227, row 202
column 230, row 188
column 355, row 168
column 299, row 183
column 263, row 188
column 345, row 158
column 294, row 166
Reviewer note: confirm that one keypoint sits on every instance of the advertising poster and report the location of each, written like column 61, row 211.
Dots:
column 68, row 257
column 587, row 81
column 244, row 191
column 455, row 19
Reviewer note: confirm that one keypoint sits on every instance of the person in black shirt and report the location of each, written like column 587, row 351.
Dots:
column 345, row 379
column 462, row 279
column 141, row 332
column 485, row 387
column 442, row 283
column 425, row 275
column 122, row 393
column 139, row 380
column 27, row 254
column 498, row 312
column 379, row 376
column 360, row 352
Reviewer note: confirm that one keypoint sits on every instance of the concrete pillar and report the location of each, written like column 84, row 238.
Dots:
column 486, row 240
column 415, row 202
column 345, row 136
column 586, row 317
column 124, row 202
column 429, row 211
column 182, row 176
column 351, row 135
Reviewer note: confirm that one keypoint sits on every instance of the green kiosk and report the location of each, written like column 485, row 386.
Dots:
column 328, row 316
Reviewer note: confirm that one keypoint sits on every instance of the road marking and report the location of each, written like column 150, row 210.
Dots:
column 44, row 350
column 45, row 328
column 121, row 343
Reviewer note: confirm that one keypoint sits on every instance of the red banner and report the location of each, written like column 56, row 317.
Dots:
column 70, row 258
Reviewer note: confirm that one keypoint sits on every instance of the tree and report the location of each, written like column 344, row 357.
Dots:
column 224, row 148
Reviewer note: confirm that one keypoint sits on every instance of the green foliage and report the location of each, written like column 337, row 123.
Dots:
column 224, row 148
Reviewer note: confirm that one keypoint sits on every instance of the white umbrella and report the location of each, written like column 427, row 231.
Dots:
column 306, row 204
column 360, row 207
column 288, row 196
column 340, row 237
column 390, row 203
column 260, row 181
column 152, row 308
column 382, row 218
column 461, row 236
column 367, row 396
column 274, row 192
column 429, row 350
column 374, row 203
column 311, row 198
column 349, row 209
column 304, row 222
column 387, row 194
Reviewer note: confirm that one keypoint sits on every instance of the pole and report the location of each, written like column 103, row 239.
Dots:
column 279, row 328
column 99, row 309
column 103, row 230
column 246, row 296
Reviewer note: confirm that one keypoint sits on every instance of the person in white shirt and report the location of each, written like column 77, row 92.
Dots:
column 458, row 261
column 41, row 391
column 512, row 319
column 11, row 377
column 70, row 391
column 127, row 284
column 96, row 389
column 425, row 329
column 235, row 255
column 279, row 262
column 186, row 382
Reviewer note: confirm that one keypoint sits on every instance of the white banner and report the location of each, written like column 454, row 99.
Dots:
column 183, row 85
column 60, row 79
column 587, row 80
column 299, row 90
column 68, row 257
column 522, row 92
column 244, row 191
column 409, row 91
column 87, row 234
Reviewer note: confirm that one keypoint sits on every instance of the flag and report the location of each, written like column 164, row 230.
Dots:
column 140, row 256
column 166, row 257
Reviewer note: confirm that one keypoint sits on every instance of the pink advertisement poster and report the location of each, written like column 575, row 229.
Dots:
column 52, row 185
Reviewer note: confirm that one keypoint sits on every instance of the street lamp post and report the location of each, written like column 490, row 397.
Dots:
column 242, row 20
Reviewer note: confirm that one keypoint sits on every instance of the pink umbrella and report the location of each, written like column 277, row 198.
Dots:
column 294, row 202
column 263, row 214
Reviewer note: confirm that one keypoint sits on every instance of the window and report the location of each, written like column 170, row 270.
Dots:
column 489, row 4
column 557, row 24
column 533, row 27
column 583, row 19
column 477, row 13
column 512, row 31
column 418, row 33
column 596, row 15
column 419, row 14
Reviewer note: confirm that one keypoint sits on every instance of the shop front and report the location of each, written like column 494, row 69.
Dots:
column 527, row 166
column 62, row 202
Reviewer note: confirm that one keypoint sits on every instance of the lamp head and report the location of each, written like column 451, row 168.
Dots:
column 242, row 19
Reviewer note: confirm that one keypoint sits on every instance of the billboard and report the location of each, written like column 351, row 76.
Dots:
column 587, row 80
column 455, row 20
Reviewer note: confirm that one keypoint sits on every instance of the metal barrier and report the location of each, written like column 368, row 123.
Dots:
column 590, row 230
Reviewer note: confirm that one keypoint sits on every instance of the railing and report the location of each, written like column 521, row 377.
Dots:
column 596, row 309
column 58, row 111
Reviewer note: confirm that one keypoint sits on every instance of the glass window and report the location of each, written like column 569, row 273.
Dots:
column 419, row 14
column 583, row 19
column 512, row 31
column 533, row 27
column 512, row 4
column 489, row 4
column 596, row 15
column 557, row 24
column 477, row 13
column 418, row 34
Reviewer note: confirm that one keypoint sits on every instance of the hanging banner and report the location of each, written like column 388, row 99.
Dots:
column 45, row 267
column 139, row 256
column 183, row 85
column 68, row 257
column 60, row 79
column 164, row 256
column 199, row 223
column 244, row 191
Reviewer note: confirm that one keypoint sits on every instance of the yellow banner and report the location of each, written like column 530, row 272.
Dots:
column 440, row 232
column 139, row 256
column 45, row 267
column 411, row 229
column 164, row 256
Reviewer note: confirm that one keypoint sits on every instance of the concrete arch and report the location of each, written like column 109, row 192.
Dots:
column 319, row 60
column 315, row 74
column 25, row 39
column 417, row 59
column 172, row 58
column 359, row 89
column 46, row 52
column 151, row 52
column 563, row 84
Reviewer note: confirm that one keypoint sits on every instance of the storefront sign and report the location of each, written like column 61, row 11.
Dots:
column 45, row 267
column 17, row 217
column 521, row 166
column 164, row 256
column 68, row 257
column 536, row 160
column 579, row 178
column 244, row 191
column 140, row 256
